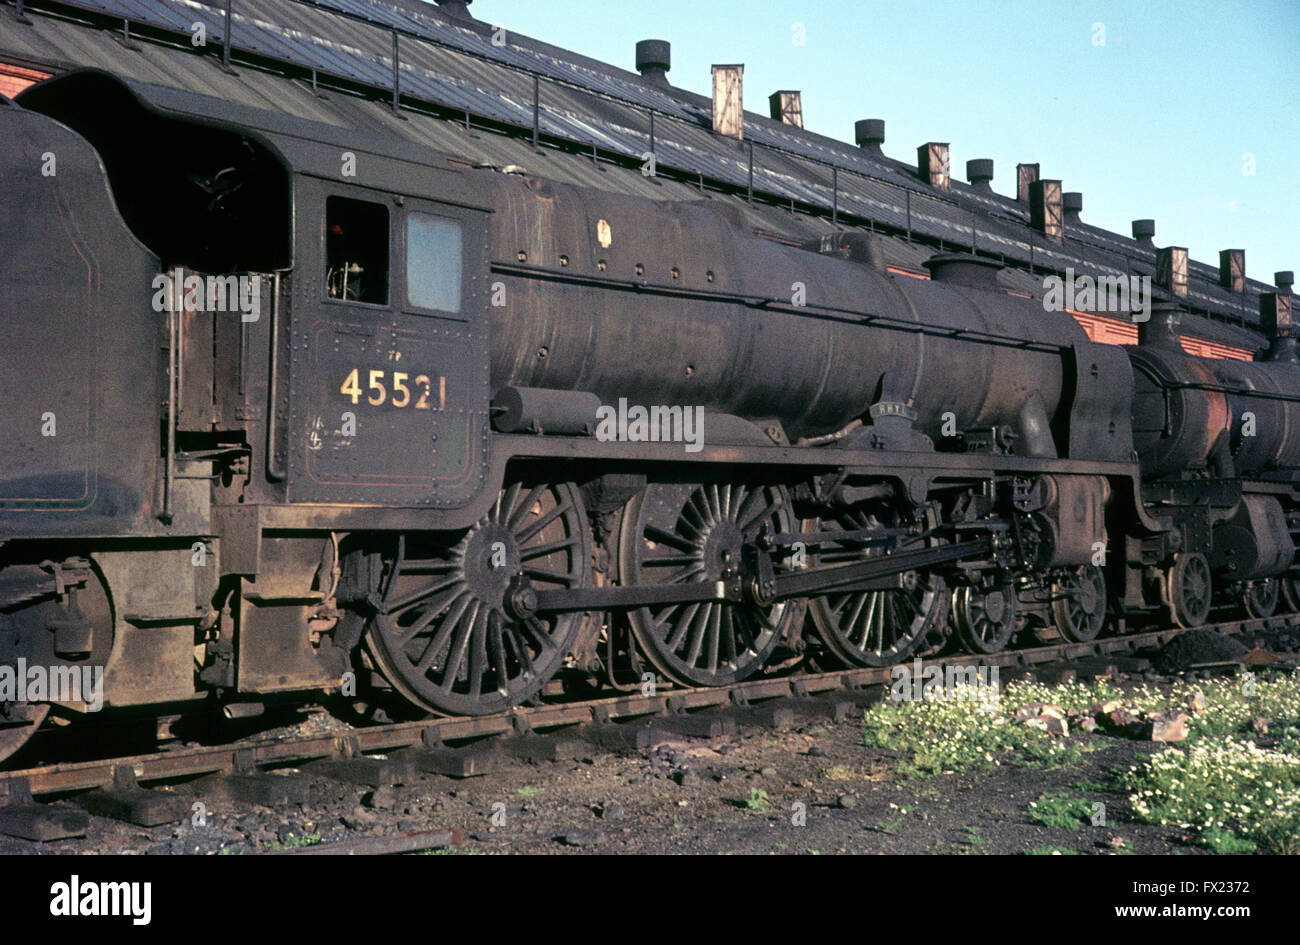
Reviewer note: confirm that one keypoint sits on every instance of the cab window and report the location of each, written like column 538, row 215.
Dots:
column 433, row 262
column 356, row 250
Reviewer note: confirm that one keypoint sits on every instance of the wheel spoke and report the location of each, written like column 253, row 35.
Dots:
column 543, row 520
column 437, row 643
column 505, row 502
column 408, row 633
column 537, row 630
column 462, row 605
column 551, row 577
column 716, row 505
column 520, row 511
column 727, row 632
column 681, row 626
column 686, row 575
column 746, row 513
column 522, row 656
column 537, row 551
column 711, row 643
column 428, row 566
column 395, row 567
column 695, row 639
column 869, row 620
column 659, row 536
column 497, row 644
column 478, row 661
column 880, row 625
column 861, row 601
column 415, row 597
column 744, row 632
column 456, row 657
column 667, row 561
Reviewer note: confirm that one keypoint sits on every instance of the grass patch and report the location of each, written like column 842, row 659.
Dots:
column 528, row 791
column 1234, row 796
column 1051, row 851
column 1061, row 810
column 1225, row 841
column 1087, row 787
column 1232, row 704
column 964, row 734
column 758, row 800
column 891, row 825
column 292, row 842
column 1232, row 793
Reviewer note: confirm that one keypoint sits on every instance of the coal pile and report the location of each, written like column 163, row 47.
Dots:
column 1194, row 647
column 1278, row 639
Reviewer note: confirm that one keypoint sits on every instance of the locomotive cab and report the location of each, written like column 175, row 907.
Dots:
column 198, row 193
column 388, row 401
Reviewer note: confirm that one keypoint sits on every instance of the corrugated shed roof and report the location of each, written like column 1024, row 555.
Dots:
column 458, row 68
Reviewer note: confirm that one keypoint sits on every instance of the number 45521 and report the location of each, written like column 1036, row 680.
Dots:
column 380, row 384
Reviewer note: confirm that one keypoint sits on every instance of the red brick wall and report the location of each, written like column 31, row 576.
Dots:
column 1114, row 332
column 13, row 79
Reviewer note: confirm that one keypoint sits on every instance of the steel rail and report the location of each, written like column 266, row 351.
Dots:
column 254, row 754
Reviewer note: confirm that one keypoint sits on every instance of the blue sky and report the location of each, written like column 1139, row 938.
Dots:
column 1156, row 122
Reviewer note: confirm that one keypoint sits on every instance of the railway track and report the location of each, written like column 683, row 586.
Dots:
column 609, row 722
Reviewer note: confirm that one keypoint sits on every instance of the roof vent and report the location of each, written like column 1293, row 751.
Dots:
column 979, row 171
column 728, row 101
column 869, row 133
column 854, row 246
column 654, row 57
column 456, row 9
column 962, row 269
column 932, row 164
column 1144, row 232
column 1045, row 214
column 1275, row 320
column 1232, row 269
column 1171, row 269
column 1026, row 174
column 1072, row 205
column 1284, row 279
column 1163, row 327
column 786, row 107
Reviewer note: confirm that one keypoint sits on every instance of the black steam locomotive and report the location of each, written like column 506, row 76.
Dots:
column 289, row 409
